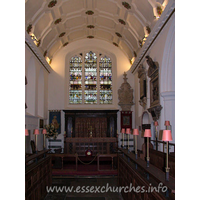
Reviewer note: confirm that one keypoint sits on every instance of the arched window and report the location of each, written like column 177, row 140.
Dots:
column 105, row 72
column 91, row 79
column 75, row 85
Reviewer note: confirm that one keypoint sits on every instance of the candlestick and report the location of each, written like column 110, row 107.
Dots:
column 123, row 131
column 135, row 133
column 123, row 140
column 128, row 131
column 167, row 136
column 128, row 142
column 135, row 146
column 36, row 132
column 147, row 134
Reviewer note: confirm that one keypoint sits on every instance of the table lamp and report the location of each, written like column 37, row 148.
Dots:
column 167, row 136
column 44, row 132
column 135, row 133
column 147, row 134
column 123, row 131
column 128, row 131
column 36, row 133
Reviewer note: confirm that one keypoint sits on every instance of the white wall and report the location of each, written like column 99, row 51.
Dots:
column 36, row 95
column 59, row 78
column 163, row 52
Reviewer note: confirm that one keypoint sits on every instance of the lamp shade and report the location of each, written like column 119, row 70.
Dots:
column 36, row 132
column 167, row 123
column 26, row 132
column 128, row 131
column 44, row 131
column 135, row 131
column 155, row 123
column 167, row 135
column 147, row 133
column 123, row 130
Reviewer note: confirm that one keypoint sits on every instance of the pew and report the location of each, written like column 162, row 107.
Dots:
column 38, row 175
column 134, row 171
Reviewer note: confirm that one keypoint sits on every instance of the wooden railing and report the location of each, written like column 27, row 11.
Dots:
column 38, row 175
column 157, row 142
column 145, row 180
column 104, row 145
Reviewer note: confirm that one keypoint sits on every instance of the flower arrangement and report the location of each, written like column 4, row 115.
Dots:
column 51, row 131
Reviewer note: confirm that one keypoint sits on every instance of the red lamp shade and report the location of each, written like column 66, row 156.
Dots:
column 147, row 133
column 167, row 135
column 128, row 131
column 44, row 131
column 123, row 130
column 26, row 132
column 155, row 123
column 36, row 132
column 167, row 123
column 135, row 131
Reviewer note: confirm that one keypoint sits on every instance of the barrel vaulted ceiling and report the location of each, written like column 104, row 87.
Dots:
column 125, row 24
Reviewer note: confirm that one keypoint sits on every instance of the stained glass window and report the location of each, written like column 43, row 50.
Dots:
column 105, row 72
column 90, row 78
column 75, row 86
column 90, row 81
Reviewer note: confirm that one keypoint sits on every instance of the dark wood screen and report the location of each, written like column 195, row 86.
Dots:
column 84, row 126
column 80, row 123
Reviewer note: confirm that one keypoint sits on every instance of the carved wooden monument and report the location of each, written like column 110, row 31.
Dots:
column 142, row 81
column 153, row 73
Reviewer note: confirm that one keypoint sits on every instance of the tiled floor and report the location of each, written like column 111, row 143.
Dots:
column 89, row 188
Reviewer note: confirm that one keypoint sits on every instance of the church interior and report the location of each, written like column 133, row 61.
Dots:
column 100, row 98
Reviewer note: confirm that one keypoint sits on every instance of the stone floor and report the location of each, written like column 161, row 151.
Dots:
column 84, row 188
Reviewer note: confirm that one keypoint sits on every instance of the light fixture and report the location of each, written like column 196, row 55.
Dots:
column 128, row 131
column 44, row 132
column 36, row 133
column 26, row 132
column 147, row 134
column 135, row 133
column 123, row 131
column 167, row 136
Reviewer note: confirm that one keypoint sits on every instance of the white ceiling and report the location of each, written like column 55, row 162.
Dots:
column 106, row 19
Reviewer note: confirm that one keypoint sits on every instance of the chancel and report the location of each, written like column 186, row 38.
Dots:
column 100, row 98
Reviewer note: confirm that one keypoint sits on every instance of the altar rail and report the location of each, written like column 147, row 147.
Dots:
column 104, row 145
column 38, row 175
column 157, row 142
column 144, row 180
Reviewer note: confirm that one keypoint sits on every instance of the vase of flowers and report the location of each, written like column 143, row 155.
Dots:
column 51, row 131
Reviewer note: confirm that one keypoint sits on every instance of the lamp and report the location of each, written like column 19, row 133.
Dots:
column 156, row 125
column 167, row 123
column 44, row 132
column 147, row 134
column 123, row 131
column 167, row 136
column 36, row 133
column 135, row 133
column 128, row 131
column 26, row 132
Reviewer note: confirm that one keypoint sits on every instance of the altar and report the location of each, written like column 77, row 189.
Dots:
column 90, row 143
column 95, row 130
